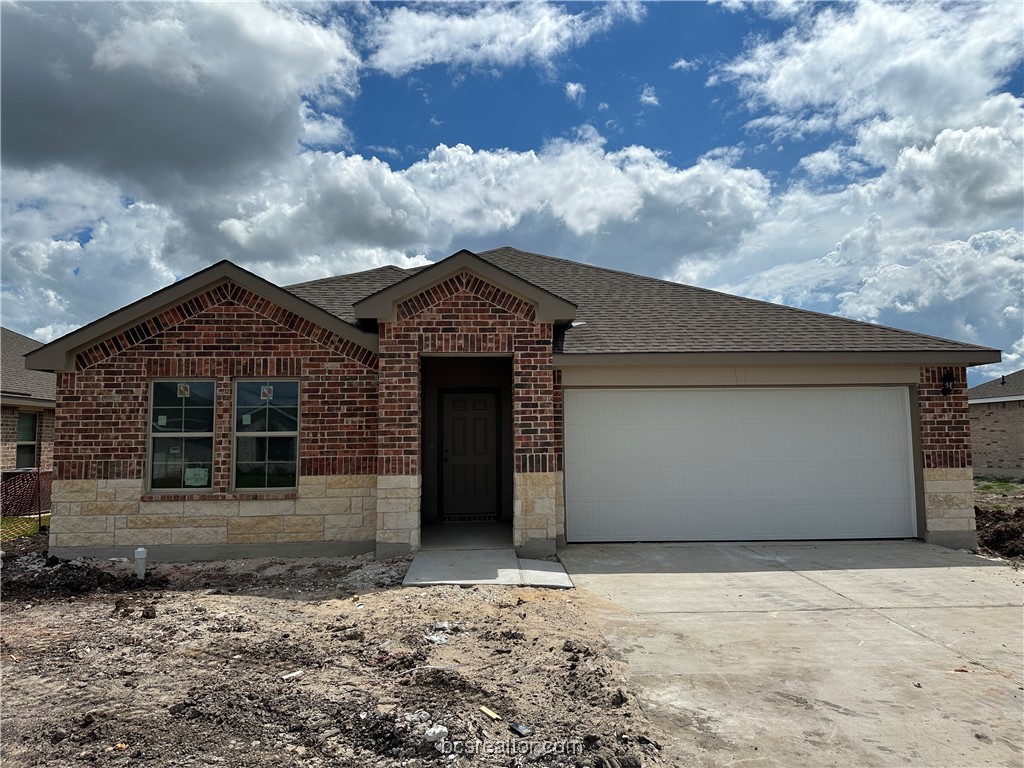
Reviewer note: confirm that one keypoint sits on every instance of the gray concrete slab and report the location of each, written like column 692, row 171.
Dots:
column 810, row 654
column 544, row 573
column 463, row 566
column 483, row 566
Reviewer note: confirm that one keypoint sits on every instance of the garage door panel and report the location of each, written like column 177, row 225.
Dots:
column 697, row 465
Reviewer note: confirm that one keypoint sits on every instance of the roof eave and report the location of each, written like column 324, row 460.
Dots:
column 26, row 401
column 383, row 305
column 983, row 400
column 967, row 357
column 59, row 355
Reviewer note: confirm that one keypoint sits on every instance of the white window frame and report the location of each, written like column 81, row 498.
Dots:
column 34, row 442
column 150, row 435
column 235, row 434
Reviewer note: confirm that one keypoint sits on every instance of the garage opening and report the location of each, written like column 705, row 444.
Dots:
column 738, row 464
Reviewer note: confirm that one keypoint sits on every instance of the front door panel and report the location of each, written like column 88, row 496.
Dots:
column 469, row 460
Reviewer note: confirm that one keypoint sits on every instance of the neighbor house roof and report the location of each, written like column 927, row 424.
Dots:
column 619, row 313
column 1008, row 387
column 19, row 385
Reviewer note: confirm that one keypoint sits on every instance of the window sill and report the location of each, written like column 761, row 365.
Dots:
column 286, row 494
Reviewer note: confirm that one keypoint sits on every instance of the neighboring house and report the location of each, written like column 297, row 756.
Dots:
column 227, row 416
column 997, row 425
column 27, row 400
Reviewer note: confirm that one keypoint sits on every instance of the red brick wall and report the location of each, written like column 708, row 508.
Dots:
column 225, row 333
column 465, row 314
column 944, row 420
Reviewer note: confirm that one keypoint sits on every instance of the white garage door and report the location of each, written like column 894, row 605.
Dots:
column 733, row 464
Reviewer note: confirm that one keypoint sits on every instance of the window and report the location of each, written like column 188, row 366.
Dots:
column 181, row 426
column 266, row 434
column 26, row 442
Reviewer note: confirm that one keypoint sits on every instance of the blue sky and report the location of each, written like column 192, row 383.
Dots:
column 863, row 159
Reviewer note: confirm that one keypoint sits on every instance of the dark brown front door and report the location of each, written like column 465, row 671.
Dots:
column 469, row 457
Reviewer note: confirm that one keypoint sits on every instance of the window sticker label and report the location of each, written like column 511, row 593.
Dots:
column 161, row 421
column 266, row 392
column 183, row 390
column 197, row 477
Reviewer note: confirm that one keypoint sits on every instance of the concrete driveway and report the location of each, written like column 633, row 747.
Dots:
column 815, row 654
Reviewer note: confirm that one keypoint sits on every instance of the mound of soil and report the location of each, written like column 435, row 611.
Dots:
column 315, row 662
column 1001, row 532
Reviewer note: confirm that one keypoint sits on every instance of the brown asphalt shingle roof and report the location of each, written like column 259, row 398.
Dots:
column 621, row 312
column 1011, row 385
column 15, row 379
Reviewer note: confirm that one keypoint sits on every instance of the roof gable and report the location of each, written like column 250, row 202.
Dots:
column 59, row 355
column 383, row 305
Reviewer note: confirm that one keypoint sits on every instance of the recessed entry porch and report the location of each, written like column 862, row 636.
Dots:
column 467, row 494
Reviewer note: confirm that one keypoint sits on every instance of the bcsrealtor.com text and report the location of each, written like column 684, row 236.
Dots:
column 509, row 747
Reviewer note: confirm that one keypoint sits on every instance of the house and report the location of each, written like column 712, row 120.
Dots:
column 997, row 425
column 227, row 416
column 27, row 401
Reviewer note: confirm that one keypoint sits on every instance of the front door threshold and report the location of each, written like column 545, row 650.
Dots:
column 466, row 567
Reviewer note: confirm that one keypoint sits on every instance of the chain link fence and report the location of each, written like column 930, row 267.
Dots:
column 24, row 502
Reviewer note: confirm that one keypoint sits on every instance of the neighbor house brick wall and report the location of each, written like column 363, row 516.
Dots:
column 463, row 314
column 945, row 440
column 225, row 333
column 9, row 437
column 997, row 438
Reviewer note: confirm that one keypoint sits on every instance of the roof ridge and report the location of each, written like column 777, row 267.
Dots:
column 346, row 275
column 734, row 296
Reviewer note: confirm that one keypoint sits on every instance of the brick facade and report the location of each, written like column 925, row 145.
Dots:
column 463, row 314
column 997, row 438
column 101, row 454
column 232, row 333
column 945, row 440
column 361, row 469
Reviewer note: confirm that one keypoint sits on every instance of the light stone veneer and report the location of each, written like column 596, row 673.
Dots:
column 538, row 511
column 949, row 506
column 106, row 513
column 398, row 514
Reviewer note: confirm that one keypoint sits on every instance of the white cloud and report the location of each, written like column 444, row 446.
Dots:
column 684, row 64
column 926, row 64
column 72, row 244
column 649, row 97
column 576, row 93
column 500, row 34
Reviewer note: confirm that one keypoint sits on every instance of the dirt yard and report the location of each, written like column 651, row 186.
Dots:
column 303, row 663
column 999, row 512
column 277, row 662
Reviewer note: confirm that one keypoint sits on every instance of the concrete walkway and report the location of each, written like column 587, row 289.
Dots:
column 483, row 566
column 810, row 654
